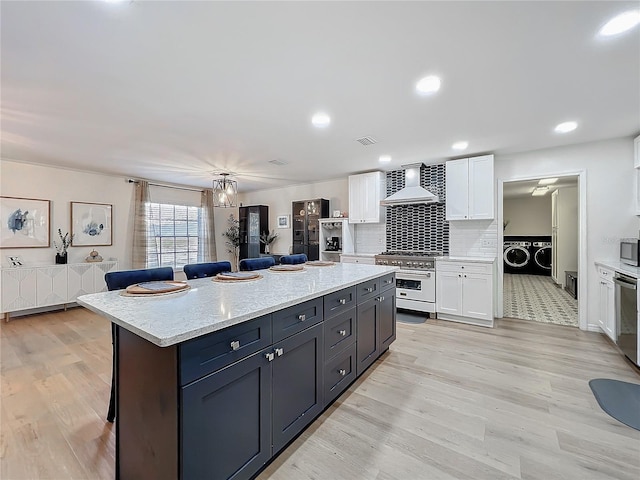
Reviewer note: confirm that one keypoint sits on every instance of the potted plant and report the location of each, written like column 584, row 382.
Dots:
column 62, row 246
column 268, row 238
column 232, row 235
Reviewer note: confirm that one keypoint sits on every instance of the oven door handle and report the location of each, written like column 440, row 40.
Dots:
column 406, row 275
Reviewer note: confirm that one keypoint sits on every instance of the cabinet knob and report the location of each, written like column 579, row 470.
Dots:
column 459, row 276
column 235, row 345
column 342, row 372
column 302, row 317
column 279, row 351
column 269, row 356
column 343, row 301
column 343, row 333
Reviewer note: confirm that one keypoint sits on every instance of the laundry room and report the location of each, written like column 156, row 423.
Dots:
column 540, row 250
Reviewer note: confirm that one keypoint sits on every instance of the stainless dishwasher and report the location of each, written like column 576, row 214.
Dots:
column 627, row 315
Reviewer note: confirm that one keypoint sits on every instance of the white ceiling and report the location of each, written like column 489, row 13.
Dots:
column 177, row 91
column 524, row 188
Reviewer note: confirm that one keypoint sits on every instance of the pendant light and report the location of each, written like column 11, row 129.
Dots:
column 225, row 191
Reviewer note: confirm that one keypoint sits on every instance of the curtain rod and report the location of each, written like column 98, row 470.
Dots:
column 166, row 185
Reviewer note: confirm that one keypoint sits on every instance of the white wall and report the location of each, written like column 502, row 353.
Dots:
column 61, row 187
column 279, row 201
column 528, row 215
column 610, row 207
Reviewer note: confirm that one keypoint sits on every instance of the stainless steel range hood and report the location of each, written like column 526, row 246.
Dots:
column 412, row 193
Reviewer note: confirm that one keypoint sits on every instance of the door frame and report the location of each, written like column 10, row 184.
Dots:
column 582, row 239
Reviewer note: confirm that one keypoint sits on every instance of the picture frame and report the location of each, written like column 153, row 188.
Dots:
column 282, row 221
column 91, row 224
column 25, row 222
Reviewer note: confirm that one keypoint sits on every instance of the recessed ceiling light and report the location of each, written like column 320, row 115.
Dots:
column 547, row 181
column 384, row 158
column 321, row 120
column 428, row 85
column 539, row 191
column 621, row 23
column 566, row 127
column 460, row 145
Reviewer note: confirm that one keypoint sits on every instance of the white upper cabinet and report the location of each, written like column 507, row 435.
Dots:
column 365, row 193
column 470, row 189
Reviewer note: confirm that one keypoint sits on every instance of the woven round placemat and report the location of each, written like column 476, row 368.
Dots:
column 320, row 263
column 287, row 268
column 125, row 293
column 223, row 279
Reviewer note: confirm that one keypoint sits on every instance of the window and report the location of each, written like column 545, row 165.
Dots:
column 174, row 232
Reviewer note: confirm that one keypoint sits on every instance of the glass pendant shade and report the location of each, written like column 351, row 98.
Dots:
column 225, row 191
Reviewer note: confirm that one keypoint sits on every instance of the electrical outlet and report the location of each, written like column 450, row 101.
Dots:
column 488, row 243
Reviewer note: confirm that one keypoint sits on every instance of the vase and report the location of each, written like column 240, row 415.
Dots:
column 266, row 248
column 61, row 259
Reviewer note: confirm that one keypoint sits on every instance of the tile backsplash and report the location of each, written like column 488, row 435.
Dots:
column 473, row 238
column 418, row 227
column 370, row 237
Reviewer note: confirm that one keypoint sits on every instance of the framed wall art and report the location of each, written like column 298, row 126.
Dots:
column 25, row 223
column 91, row 224
column 283, row 221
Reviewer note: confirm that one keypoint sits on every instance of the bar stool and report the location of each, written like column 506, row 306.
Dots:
column 209, row 269
column 293, row 259
column 119, row 281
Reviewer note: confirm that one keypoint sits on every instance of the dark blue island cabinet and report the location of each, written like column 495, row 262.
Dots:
column 221, row 406
column 376, row 325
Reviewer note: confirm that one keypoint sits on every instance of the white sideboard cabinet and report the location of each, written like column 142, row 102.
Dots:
column 470, row 188
column 24, row 288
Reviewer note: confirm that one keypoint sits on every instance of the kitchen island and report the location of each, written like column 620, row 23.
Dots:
column 215, row 381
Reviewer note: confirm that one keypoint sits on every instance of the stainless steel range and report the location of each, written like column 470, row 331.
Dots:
column 416, row 279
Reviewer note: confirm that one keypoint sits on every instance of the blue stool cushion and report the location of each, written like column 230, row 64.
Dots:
column 247, row 264
column 124, row 278
column 293, row 259
column 210, row 269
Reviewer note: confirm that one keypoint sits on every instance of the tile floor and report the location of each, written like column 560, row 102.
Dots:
column 537, row 298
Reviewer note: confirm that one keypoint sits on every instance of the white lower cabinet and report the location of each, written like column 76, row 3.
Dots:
column 24, row 288
column 464, row 292
column 607, row 313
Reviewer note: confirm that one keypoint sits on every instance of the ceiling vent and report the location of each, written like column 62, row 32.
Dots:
column 366, row 141
column 278, row 161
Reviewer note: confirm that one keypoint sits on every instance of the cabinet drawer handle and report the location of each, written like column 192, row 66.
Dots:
column 369, row 290
column 279, row 351
column 269, row 356
column 302, row 317
column 343, row 333
column 235, row 345
column 389, row 281
column 342, row 372
column 343, row 301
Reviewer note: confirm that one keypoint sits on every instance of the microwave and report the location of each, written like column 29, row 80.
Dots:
column 629, row 251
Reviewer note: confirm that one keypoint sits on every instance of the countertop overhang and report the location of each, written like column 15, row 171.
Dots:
column 211, row 306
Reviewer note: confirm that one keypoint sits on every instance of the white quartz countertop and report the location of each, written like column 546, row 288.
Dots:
column 620, row 267
column 466, row 259
column 210, row 306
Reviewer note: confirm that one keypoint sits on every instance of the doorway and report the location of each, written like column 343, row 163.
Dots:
column 540, row 219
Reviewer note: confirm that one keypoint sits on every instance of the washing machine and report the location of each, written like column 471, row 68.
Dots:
column 516, row 255
column 541, row 255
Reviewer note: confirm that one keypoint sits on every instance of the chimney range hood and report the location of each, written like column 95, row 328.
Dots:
column 412, row 193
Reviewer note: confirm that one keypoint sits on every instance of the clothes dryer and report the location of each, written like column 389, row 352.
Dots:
column 516, row 255
column 541, row 256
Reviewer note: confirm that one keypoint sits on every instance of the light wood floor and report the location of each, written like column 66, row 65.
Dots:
column 448, row 401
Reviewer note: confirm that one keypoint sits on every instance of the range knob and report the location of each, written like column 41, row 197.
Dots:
column 393, row 262
column 409, row 264
column 422, row 264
